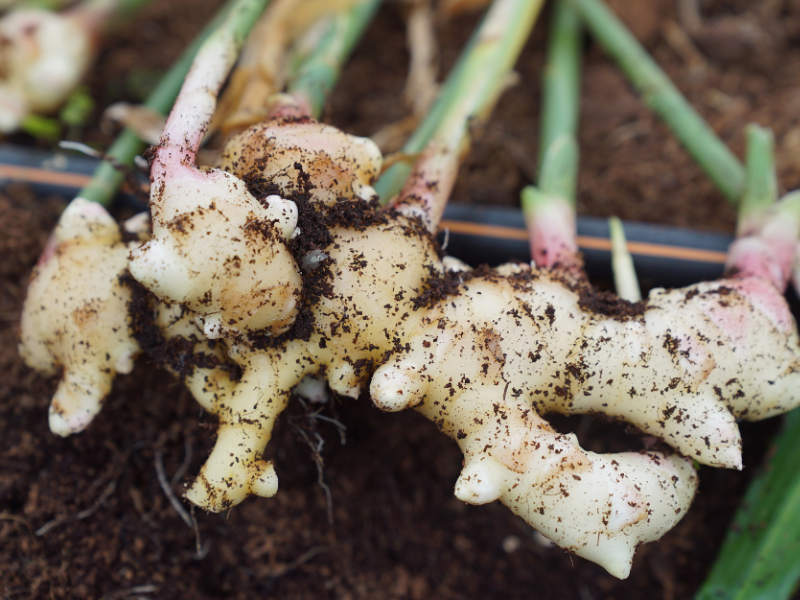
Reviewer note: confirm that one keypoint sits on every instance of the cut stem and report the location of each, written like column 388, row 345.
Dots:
column 549, row 209
column 314, row 74
column 768, row 250
column 191, row 114
column 299, row 44
column 766, row 234
column 468, row 95
column 560, row 103
column 108, row 178
column 625, row 280
column 664, row 98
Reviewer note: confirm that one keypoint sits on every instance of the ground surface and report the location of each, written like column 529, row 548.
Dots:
column 85, row 517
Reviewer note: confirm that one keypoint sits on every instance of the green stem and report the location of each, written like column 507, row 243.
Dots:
column 760, row 185
column 549, row 208
column 558, row 159
column 194, row 107
column 625, row 280
column 663, row 97
column 107, row 179
column 313, row 75
column 42, row 128
column 115, row 8
column 758, row 558
column 472, row 87
column 39, row 4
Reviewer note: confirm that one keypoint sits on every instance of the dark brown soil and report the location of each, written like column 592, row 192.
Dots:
column 85, row 517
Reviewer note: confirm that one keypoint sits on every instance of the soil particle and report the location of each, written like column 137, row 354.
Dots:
column 178, row 353
column 438, row 286
column 609, row 304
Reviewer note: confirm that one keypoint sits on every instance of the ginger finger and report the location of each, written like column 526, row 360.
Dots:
column 75, row 315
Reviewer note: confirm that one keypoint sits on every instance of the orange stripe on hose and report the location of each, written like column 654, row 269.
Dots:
column 34, row 175
column 591, row 242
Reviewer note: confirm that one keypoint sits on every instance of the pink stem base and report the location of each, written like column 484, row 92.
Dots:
column 552, row 236
column 768, row 253
column 428, row 188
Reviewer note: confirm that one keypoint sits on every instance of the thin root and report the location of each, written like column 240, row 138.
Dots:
column 167, row 489
column 84, row 514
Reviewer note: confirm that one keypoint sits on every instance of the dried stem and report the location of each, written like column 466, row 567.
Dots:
column 420, row 90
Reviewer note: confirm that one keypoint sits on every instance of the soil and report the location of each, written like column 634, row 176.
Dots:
column 370, row 513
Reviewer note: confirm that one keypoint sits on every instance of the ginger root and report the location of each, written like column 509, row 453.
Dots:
column 43, row 57
column 75, row 316
column 482, row 353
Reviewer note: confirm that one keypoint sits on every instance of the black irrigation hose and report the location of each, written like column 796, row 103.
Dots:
column 664, row 256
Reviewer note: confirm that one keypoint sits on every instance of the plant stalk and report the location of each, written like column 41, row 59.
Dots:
column 767, row 232
column 107, row 178
column 470, row 91
column 761, row 184
column 558, row 168
column 625, row 280
column 549, row 208
column 313, row 75
column 663, row 97
column 191, row 114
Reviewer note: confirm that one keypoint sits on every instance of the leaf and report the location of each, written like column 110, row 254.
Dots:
column 759, row 558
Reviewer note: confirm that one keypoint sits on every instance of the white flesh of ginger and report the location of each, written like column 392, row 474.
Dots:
column 206, row 383
column 219, row 252
column 336, row 164
column 248, row 408
column 600, row 506
column 75, row 316
column 43, row 58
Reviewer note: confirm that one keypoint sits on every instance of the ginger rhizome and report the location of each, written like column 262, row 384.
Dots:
column 232, row 277
column 75, row 317
column 45, row 55
column 280, row 265
column 484, row 353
